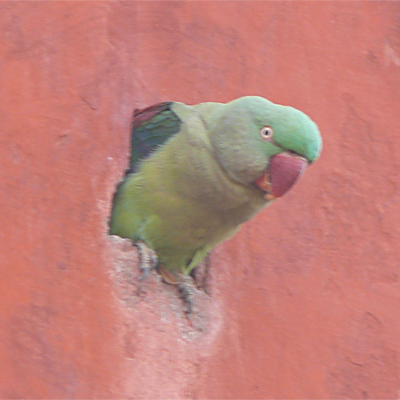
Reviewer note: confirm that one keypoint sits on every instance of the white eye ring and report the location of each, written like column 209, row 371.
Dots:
column 266, row 132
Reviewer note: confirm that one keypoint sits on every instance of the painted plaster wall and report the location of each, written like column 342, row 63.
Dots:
column 304, row 301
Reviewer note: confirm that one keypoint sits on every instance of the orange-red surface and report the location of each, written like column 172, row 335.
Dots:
column 305, row 300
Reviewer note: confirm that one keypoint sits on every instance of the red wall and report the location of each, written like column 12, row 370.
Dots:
column 305, row 300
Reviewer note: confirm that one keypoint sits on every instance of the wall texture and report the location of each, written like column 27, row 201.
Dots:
column 304, row 301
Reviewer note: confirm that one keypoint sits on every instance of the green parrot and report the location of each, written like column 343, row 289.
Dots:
column 197, row 173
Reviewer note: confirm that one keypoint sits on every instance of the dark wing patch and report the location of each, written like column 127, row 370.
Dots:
column 151, row 127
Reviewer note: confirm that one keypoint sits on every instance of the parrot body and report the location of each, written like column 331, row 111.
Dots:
column 198, row 172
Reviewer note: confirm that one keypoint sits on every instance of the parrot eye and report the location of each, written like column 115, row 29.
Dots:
column 266, row 132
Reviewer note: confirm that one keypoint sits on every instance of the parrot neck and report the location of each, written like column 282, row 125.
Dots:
column 207, row 185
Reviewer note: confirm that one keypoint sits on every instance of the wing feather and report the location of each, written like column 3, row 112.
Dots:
column 151, row 127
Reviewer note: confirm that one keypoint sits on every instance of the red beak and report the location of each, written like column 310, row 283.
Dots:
column 283, row 172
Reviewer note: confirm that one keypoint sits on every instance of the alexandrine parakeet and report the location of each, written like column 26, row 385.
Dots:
column 198, row 172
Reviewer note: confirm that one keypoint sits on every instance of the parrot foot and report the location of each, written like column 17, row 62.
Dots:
column 187, row 291
column 148, row 259
column 184, row 283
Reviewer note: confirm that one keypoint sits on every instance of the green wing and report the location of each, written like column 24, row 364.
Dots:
column 151, row 127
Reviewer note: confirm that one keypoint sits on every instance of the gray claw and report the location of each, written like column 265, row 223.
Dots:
column 187, row 291
column 147, row 259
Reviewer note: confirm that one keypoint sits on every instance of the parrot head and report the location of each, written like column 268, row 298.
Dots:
column 261, row 143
